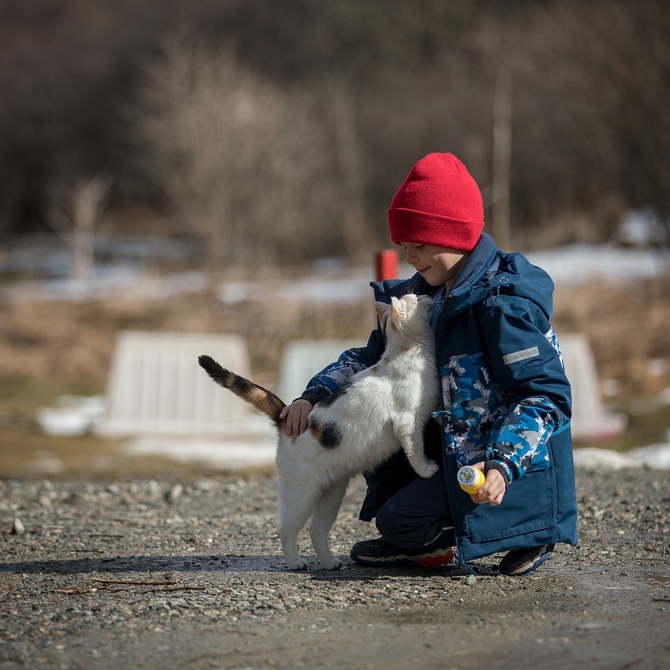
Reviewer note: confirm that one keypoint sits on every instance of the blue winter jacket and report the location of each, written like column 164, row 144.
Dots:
column 505, row 398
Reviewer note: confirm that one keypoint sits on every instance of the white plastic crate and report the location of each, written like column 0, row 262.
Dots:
column 302, row 359
column 157, row 387
column 590, row 419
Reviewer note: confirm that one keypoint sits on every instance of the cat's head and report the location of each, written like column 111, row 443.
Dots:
column 409, row 313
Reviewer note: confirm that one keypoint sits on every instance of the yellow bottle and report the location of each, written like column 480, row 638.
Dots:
column 470, row 479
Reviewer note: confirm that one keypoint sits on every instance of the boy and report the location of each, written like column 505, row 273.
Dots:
column 505, row 398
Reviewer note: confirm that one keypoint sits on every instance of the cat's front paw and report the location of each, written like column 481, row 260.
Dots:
column 335, row 564
column 428, row 469
column 299, row 564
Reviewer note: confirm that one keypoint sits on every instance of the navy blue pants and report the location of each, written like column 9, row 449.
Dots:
column 418, row 516
column 411, row 512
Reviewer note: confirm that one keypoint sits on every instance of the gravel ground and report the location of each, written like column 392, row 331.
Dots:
column 166, row 574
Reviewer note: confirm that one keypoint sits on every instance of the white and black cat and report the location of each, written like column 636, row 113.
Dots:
column 379, row 410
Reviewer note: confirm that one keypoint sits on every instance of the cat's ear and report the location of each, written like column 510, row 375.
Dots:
column 398, row 310
column 382, row 310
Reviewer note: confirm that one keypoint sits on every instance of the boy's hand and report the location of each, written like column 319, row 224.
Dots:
column 296, row 417
column 492, row 490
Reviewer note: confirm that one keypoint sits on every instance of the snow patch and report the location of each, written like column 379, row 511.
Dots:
column 231, row 454
column 73, row 415
column 579, row 264
column 654, row 457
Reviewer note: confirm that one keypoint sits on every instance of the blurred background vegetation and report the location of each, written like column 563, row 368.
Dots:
column 279, row 132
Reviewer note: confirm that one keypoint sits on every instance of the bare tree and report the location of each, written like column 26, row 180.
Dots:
column 502, row 158
column 74, row 211
column 356, row 235
column 239, row 158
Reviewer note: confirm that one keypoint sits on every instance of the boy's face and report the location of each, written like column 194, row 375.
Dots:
column 437, row 265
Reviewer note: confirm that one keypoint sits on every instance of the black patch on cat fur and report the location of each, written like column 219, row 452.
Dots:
column 327, row 402
column 330, row 436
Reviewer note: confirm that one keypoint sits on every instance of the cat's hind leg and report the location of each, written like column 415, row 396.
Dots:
column 295, row 506
column 323, row 517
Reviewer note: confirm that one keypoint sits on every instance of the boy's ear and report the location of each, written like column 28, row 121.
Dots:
column 382, row 310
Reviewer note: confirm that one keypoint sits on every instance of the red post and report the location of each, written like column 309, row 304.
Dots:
column 386, row 264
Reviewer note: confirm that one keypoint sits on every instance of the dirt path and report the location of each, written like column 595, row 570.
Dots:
column 137, row 574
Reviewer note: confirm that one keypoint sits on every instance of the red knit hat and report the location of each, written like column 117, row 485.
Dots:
column 439, row 203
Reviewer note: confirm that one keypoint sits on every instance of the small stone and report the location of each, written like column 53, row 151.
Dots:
column 175, row 493
column 471, row 580
column 18, row 528
column 206, row 485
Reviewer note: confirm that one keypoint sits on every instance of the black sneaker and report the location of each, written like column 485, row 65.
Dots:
column 523, row 561
column 379, row 553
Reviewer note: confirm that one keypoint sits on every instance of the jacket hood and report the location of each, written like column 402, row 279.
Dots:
column 487, row 273
column 501, row 273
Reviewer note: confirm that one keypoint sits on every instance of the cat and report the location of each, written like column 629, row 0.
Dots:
column 357, row 428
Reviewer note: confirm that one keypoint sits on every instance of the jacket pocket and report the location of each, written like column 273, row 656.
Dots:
column 528, row 506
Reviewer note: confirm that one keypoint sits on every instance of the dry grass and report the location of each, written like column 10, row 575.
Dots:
column 628, row 326
column 67, row 346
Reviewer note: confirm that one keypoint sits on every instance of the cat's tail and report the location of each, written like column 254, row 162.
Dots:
column 262, row 399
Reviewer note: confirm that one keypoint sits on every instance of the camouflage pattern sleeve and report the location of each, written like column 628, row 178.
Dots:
column 335, row 375
column 519, row 439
